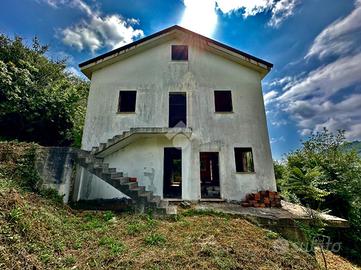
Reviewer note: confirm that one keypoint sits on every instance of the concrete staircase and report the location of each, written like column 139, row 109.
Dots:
column 143, row 200
column 117, row 139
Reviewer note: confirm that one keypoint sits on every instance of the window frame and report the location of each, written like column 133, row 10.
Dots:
column 119, row 111
column 215, row 92
column 237, row 155
column 179, row 60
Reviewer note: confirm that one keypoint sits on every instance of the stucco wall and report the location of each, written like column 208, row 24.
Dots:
column 154, row 75
column 56, row 166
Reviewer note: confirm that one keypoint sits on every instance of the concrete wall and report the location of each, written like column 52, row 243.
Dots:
column 153, row 75
column 56, row 166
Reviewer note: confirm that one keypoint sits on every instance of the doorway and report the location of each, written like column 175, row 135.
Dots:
column 172, row 175
column 209, row 171
column 177, row 109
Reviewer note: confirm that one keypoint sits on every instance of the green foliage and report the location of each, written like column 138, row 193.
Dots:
column 155, row 239
column 272, row 235
column 39, row 100
column 25, row 170
column 113, row 245
column 108, row 215
column 326, row 174
column 51, row 194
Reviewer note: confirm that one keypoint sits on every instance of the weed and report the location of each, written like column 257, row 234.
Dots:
column 108, row 215
column 45, row 257
column 114, row 245
column 15, row 215
column 135, row 228
column 272, row 235
column 77, row 244
column 155, row 239
column 151, row 223
column 205, row 212
column 69, row 261
column 92, row 222
column 51, row 194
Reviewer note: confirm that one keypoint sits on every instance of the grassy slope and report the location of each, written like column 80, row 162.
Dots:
column 38, row 232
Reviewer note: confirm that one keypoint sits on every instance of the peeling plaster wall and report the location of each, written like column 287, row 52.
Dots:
column 153, row 75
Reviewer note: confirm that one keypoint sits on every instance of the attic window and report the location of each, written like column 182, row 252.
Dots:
column 179, row 53
column 127, row 101
column 244, row 159
column 223, row 101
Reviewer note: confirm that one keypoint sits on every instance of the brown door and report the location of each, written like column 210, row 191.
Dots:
column 209, row 171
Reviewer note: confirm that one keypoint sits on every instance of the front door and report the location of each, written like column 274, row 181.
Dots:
column 177, row 109
column 209, row 175
column 172, row 187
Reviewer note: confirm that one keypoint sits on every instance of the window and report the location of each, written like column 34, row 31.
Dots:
column 223, row 101
column 244, row 159
column 127, row 101
column 179, row 53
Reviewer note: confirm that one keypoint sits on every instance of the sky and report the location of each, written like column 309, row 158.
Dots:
column 313, row 44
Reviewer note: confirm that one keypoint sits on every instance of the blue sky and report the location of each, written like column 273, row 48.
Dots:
column 314, row 46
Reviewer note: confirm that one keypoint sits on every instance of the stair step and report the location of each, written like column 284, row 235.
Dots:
column 143, row 199
column 117, row 175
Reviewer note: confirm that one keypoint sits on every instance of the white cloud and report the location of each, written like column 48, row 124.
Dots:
column 329, row 96
column 277, row 140
column 280, row 9
column 110, row 31
column 327, row 80
column 313, row 115
column 95, row 30
column 341, row 37
column 269, row 97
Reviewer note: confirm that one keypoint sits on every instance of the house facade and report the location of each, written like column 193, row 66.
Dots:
column 181, row 113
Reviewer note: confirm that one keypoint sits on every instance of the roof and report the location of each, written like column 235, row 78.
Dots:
column 119, row 50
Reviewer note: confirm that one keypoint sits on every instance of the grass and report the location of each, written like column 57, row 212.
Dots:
column 38, row 232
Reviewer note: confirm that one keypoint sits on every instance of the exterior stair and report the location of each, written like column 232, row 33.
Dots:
column 139, row 130
column 143, row 200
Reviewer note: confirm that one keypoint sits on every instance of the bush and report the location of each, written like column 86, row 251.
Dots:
column 325, row 174
column 39, row 100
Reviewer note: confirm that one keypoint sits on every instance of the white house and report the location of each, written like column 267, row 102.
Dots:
column 185, row 115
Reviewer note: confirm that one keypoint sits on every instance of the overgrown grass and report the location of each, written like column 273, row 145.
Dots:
column 38, row 233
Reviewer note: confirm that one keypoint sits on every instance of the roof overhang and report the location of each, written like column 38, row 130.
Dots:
column 88, row 67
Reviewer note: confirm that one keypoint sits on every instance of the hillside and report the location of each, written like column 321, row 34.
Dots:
column 38, row 232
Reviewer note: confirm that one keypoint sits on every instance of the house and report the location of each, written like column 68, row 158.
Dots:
column 181, row 115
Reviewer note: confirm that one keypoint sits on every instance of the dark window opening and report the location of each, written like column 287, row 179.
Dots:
column 179, row 52
column 223, row 101
column 244, row 159
column 127, row 101
column 177, row 110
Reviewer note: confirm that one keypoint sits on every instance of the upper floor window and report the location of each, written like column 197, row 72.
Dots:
column 179, row 53
column 127, row 101
column 223, row 101
column 244, row 159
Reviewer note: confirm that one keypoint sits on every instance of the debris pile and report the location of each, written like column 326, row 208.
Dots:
column 262, row 199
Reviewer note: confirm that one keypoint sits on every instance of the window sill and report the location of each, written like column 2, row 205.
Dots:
column 245, row 173
column 224, row 112
column 126, row 113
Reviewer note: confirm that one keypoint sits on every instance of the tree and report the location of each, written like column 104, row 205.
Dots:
column 324, row 174
column 39, row 100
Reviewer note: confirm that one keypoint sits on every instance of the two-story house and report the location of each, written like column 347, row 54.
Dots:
column 185, row 116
